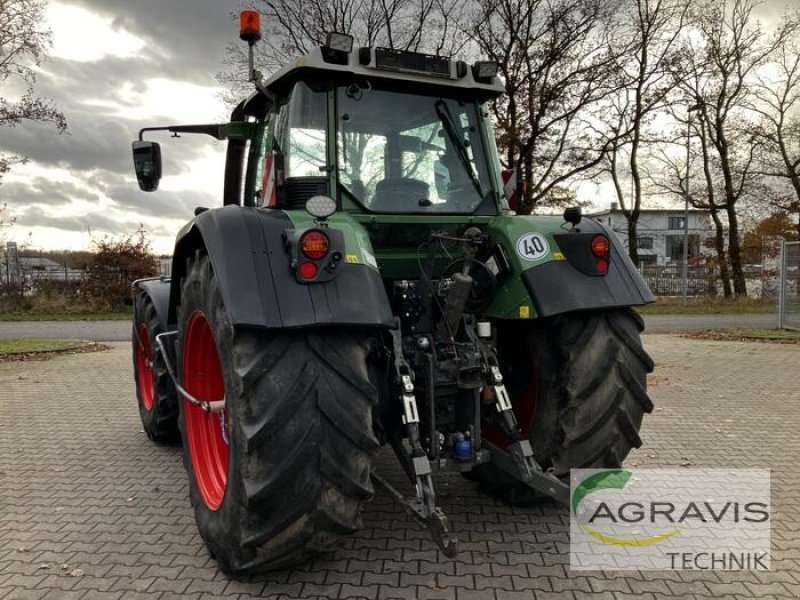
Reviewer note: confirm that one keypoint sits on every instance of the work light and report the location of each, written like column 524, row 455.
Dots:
column 484, row 69
column 339, row 41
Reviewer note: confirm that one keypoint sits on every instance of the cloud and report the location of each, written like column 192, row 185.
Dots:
column 95, row 38
column 90, row 221
column 191, row 35
column 44, row 191
column 91, row 143
column 164, row 204
column 95, row 142
column 116, row 67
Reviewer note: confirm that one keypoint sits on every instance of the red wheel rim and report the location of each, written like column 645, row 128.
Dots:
column 144, row 366
column 523, row 404
column 205, row 432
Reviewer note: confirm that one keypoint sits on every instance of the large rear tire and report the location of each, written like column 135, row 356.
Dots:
column 155, row 392
column 578, row 384
column 279, row 476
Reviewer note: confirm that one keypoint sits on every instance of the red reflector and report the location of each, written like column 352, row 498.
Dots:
column 602, row 266
column 314, row 245
column 308, row 270
column 600, row 246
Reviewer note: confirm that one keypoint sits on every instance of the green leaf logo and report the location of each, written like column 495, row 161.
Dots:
column 606, row 480
column 599, row 481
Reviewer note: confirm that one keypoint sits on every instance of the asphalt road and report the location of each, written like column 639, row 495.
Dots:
column 95, row 331
column 678, row 323
column 118, row 331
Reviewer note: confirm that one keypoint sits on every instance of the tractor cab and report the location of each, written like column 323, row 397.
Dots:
column 402, row 136
column 392, row 151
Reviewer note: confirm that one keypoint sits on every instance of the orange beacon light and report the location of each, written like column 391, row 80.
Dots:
column 250, row 26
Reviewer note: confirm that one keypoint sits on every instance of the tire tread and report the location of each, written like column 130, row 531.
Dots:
column 161, row 423
column 302, row 414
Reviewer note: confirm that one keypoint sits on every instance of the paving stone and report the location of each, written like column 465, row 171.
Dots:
column 390, row 592
column 642, row 587
column 369, row 592
column 64, row 595
column 388, row 579
column 428, row 593
column 464, row 581
column 133, row 585
column 97, row 595
column 566, row 595
column 20, row 593
column 201, row 586
column 140, row 596
column 408, row 580
column 769, row 590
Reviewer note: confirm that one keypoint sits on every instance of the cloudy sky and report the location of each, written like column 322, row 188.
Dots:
column 117, row 66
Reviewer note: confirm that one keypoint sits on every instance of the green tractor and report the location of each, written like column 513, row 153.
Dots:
column 365, row 283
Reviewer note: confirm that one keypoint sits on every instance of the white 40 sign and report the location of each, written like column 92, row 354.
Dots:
column 532, row 246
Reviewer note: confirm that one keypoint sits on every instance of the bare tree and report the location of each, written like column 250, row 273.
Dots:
column 560, row 68
column 777, row 102
column 23, row 47
column 6, row 221
column 654, row 27
column 733, row 48
column 667, row 173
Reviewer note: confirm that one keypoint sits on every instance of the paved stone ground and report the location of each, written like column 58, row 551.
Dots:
column 90, row 509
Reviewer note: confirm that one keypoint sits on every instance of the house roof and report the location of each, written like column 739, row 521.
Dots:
column 30, row 262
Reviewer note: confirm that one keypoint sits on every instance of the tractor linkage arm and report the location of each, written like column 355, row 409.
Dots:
column 422, row 508
column 470, row 375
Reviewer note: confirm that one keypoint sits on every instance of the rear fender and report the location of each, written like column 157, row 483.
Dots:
column 551, row 278
column 246, row 247
column 158, row 290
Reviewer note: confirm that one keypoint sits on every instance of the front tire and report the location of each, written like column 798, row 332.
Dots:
column 578, row 384
column 279, row 476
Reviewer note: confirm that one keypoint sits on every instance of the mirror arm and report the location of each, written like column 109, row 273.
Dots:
column 214, row 131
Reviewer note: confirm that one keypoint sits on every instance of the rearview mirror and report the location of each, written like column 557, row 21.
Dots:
column 147, row 163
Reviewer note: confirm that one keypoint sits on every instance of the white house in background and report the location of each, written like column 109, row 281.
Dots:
column 660, row 233
column 164, row 265
column 15, row 268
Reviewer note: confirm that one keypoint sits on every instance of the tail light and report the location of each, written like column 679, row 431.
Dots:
column 314, row 245
column 315, row 254
column 601, row 248
column 308, row 270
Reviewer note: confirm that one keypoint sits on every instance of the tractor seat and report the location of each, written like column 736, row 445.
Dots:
column 400, row 194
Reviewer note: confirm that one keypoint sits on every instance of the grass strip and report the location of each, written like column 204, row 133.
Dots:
column 706, row 306
column 8, row 347
column 116, row 315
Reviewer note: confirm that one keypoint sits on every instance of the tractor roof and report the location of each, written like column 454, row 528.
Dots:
column 410, row 71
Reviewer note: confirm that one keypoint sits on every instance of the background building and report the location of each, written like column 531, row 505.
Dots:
column 660, row 233
column 17, row 267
